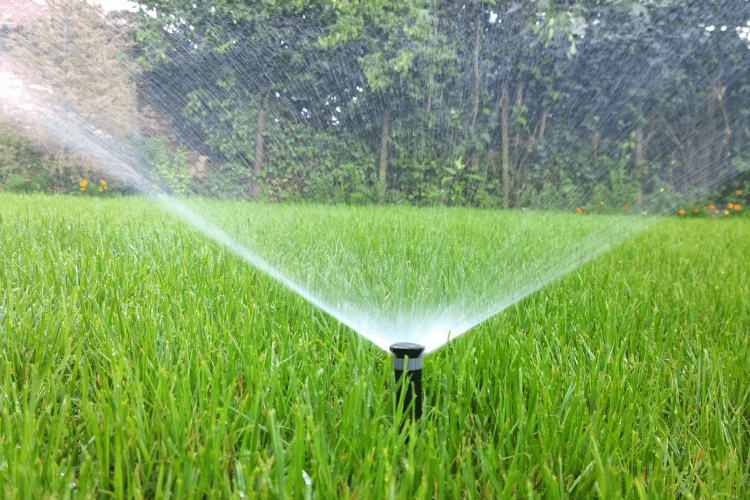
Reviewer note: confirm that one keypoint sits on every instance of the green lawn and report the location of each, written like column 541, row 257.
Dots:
column 140, row 359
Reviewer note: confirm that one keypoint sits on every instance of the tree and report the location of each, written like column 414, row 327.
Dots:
column 81, row 55
column 564, row 98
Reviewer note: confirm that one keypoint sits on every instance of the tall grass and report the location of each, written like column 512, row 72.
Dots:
column 140, row 360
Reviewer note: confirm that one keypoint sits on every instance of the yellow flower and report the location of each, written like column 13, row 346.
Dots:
column 103, row 183
column 737, row 207
column 730, row 205
column 100, row 190
column 83, row 188
column 682, row 212
column 726, row 212
column 712, row 207
column 601, row 203
column 579, row 210
column 84, row 184
column 28, row 180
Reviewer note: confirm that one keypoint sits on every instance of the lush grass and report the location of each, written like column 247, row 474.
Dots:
column 139, row 360
column 402, row 273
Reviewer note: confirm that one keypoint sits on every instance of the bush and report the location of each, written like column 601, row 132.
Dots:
column 168, row 170
column 47, row 166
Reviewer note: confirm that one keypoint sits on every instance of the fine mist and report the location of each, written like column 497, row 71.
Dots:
column 412, row 174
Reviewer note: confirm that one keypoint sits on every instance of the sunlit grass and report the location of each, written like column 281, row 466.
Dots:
column 140, row 359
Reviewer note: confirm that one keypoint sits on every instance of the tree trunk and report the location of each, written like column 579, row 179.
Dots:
column 506, row 146
column 260, row 129
column 432, row 73
column 543, row 125
column 519, row 103
column 639, row 166
column 384, row 150
column 429, row 97
column 476, row 75
column 595, row 147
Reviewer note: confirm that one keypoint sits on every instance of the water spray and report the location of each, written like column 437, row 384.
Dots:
column 407, row 357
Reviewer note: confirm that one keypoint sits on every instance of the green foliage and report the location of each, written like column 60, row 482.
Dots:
column 20, row 184
column 21, row 158
column 223, row 182
column 438, row 72
column 169, row 170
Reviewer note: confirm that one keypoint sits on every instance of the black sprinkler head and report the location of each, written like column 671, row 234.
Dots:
column 413, row 368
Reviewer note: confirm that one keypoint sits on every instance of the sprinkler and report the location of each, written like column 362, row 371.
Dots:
column 413, row 368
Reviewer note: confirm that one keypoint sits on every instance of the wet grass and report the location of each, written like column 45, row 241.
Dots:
column 139, row 360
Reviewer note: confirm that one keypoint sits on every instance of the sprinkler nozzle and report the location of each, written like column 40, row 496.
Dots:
column 407, row 357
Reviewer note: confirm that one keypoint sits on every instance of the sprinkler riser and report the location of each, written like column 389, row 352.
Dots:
column 413, row 381
column 407, row 368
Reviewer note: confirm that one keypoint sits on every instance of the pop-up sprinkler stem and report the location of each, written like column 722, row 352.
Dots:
column 407, row 357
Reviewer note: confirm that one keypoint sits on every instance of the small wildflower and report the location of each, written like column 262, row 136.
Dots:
column 704, row 208
column 726, row 212
column 625, row 207
column 739, row 192
column 105, row 188
column 549, row 203
column 83, row 188
column 84, row 184
column 696, row 210
column 591, row 213
column 712, row 207
column 103, row 182
column 601, row 203
column 579, row 210
column 682, row 212
column 737, row 207
column 49, row 189
column 100, row 189
column 730, row 205
column 28, row 180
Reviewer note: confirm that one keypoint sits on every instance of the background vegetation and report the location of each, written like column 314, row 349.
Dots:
column 492, row 104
